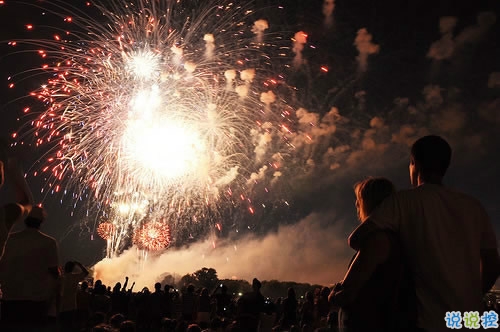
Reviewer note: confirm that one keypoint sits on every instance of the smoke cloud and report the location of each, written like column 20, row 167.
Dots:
column 444, row 47
column 209, row 45
column 259, row 27
column 363, row 43
column 299, row 40
column 308, row 252
column 448, row 45
column 328, row 8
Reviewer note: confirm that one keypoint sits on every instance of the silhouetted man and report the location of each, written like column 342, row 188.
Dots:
column 250, row 306
column 29, row 273
column 69, row 288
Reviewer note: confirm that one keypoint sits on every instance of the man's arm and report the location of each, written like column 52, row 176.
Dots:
column 375, row 251
column 361, row 234
column 85, row 272
column 490, row 268
column 23, row 199
column 387, row 216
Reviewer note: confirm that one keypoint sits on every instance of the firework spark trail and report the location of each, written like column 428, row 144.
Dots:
column 161, row 100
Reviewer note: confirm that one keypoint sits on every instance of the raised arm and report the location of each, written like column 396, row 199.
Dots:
column 124, row 288
column 22, row 200
column 85, row 272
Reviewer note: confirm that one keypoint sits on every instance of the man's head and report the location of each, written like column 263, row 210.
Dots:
column 35, row 218
column 430, row 158
column 69, row 266
column 256, row 284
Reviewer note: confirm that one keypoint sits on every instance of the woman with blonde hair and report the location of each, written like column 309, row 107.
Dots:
column 369, row 294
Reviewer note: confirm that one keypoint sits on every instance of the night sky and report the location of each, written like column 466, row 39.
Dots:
column 437, row 71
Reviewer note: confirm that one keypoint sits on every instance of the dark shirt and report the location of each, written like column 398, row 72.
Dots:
column 251, row 303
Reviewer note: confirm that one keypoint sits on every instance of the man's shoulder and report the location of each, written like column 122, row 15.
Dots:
column 47, row 238
column 427, row 189
column 18, row 236
column 451, row 192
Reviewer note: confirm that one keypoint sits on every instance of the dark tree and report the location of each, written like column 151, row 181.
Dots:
column 206, row 277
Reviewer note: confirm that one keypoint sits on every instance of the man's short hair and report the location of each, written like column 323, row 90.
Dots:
column 432, row 153
column 33, row 222
column 35, row 218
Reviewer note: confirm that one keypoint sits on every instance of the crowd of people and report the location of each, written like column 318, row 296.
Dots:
column 422, row 255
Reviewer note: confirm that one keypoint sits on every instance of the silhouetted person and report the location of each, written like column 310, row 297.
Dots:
column 188, row 306
column 157, row 307
column 116, row 299
column 449, row 241
column 29, row 274
column 369, row 289
column 307, row 312
column 83, row 298
column 323, row 307
column 100, row 301
column 250, row 306
column 144, row 310
column 69, row 289
column 168, row 303
column 289, row 309
column 204, row 307
column 222, row 301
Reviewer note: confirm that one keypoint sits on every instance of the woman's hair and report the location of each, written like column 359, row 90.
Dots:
column 370, row 193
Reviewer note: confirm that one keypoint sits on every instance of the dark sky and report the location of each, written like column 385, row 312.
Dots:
column 404, row 91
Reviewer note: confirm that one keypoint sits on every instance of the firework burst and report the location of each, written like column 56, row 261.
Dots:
column 106, row 230
column 152, row 236
column 168, row 100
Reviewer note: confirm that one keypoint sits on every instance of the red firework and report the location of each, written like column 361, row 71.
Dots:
column 152, row 236
column 106, row 230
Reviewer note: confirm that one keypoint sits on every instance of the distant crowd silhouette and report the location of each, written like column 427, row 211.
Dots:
column 422, row 256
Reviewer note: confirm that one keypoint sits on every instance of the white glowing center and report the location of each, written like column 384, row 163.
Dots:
column 144, row 64
column 169, row 150
column 159, row 141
